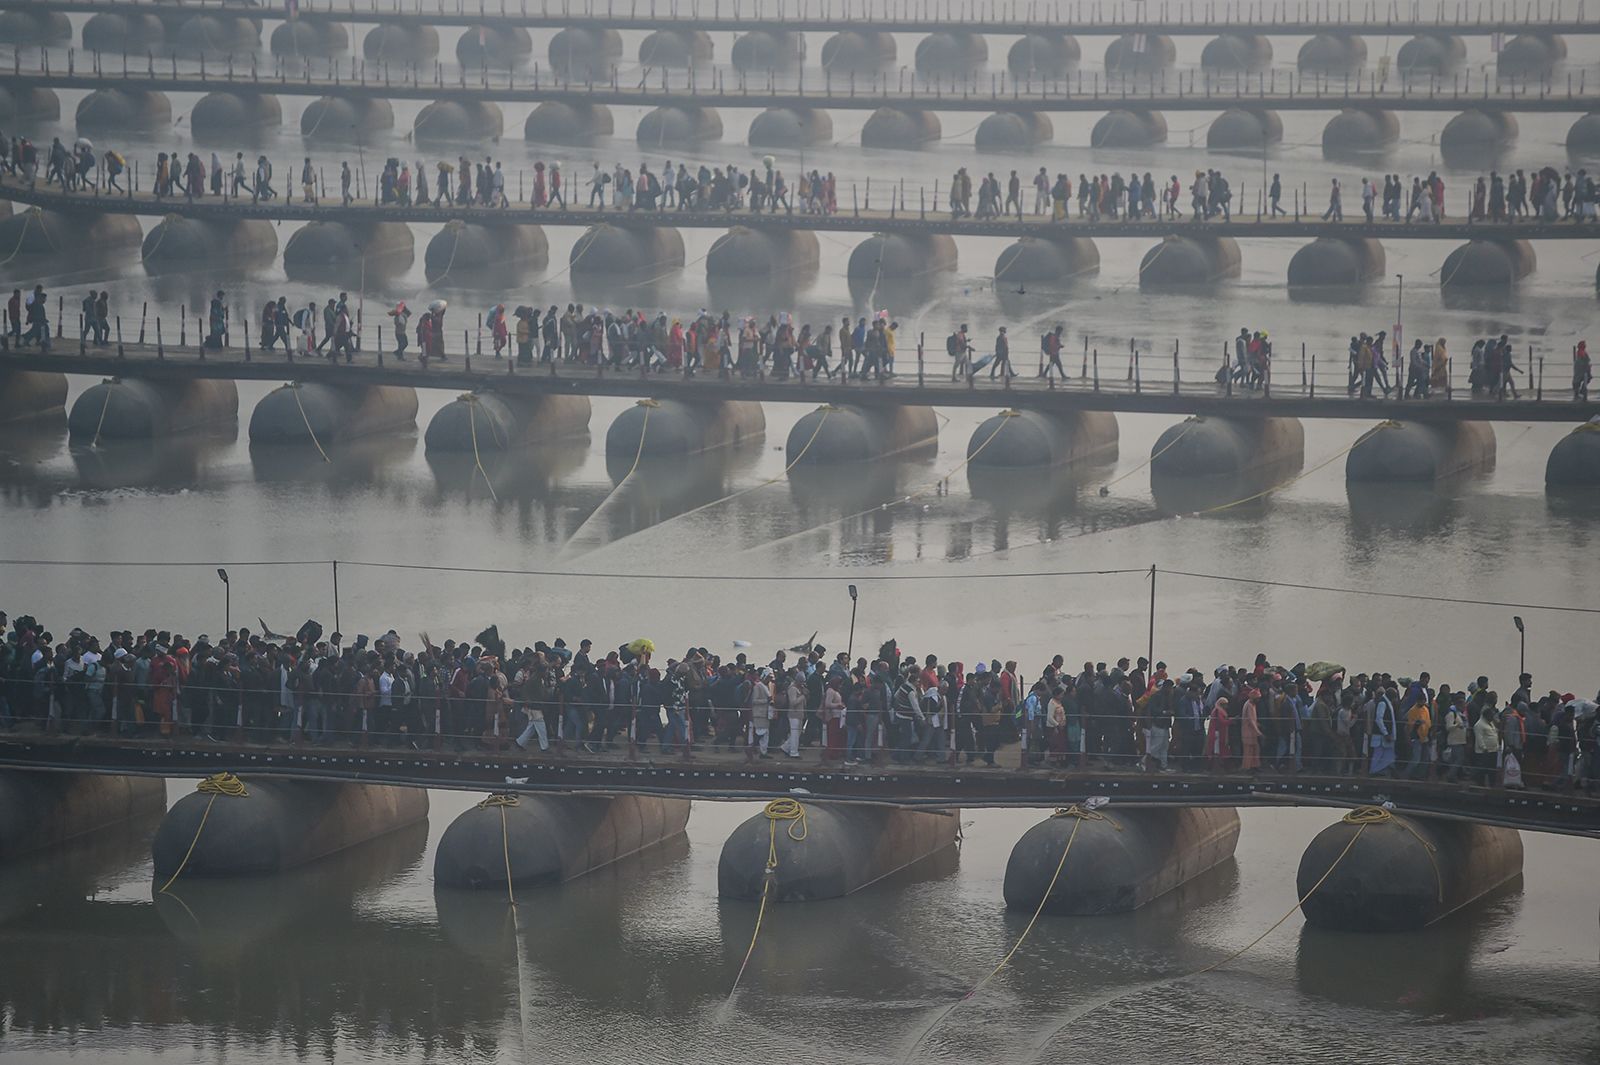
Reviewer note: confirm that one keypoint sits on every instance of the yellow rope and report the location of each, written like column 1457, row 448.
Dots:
column 214, row 785
column 1362, row 817
column 1005, row 416
column 501, row 801
column 644, row 427
column 1190, row 424
column 295, row 388
column 101, row 423
column 1286, row 484
column 1079, row 815
column 777, row 810
column 472, row 421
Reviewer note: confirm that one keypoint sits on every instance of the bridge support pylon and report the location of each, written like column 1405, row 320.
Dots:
column 1404, row 873
column 22, row 27
column 1477, row 136
column 181, row 244
column 1431, row 53
column 791, row 127
column 1332, row 53
column 894, row 127
column 1188, row 262
column 843, row 849
column 1124, row 55
column 1051, row 258
column 1420, row 451
column 1488, row 264
column 215, row 37
column 1531, row 55
column 26, row 106
column 1359, row 134
column 500, row 47
column 1129, row 859
column 458, row 122
column 674, row 428
column 1237, row 53
column 1005, row 130
column 1206, row 446
column 302, row 413
column 759, row 51
column 551, row 838
column 580, row 54
column 338, row 251
column 563, row 122
column 668, row 128
column 231, row 118
column 616, row 249
column 1575, row 460
column 31, row 397
column 1043, row 55
column 41, row 810
column 1129, row 129
column 343, row 120
column 309, row 37
column 676, row 49
column 1337, row 262
column 474, row 252
column 120, row 111
column 950, row 54
column 278, row 825
column 1244, row 129
column 401, row 44
column 846, row 434
column 134, row 32
column 130, row 408
column 1030, row 439
column 489, row 421
column 1583, row 139
column 764, row 254
column 852, row 52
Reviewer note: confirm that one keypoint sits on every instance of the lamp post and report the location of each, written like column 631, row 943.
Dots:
column 1522, row 645
column 851, row 646
column 227, row 599
column 1399, row 310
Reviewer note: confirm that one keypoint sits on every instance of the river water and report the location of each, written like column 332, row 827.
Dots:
column 359, row 959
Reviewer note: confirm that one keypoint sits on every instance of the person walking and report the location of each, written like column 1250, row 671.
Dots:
column 1002, row 358
column 1335, row 211
column 1052, row 354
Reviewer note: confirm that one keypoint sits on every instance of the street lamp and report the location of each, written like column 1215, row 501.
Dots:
column 1522, row 646
column 1399, row 310
column 851, row 646
column 227, row 599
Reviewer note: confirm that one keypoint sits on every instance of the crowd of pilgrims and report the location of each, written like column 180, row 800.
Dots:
column 1492, row 371
column 1544, row 194
column 485, row 694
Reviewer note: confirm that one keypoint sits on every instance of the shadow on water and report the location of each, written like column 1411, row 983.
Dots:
column 80, row 868
column 1487, row 299
column 173, row 462
column 352, row 466
column 1330, row 295
column 1428, row 971
column 747, row 295
column 1225, row 496
column 230, row 916
column 526, row 474
column 1409, row 510
column 663, row 487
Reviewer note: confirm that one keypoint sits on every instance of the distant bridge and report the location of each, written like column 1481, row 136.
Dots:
column 1170, row 17
column 1270, row 90
column 728, row 777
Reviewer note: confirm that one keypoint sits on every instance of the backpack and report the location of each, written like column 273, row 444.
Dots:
column 952, row 345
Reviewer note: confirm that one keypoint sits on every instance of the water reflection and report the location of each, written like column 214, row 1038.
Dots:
column 76, row 870
column 345, row 468
column 173, row 462
column 513, row 476
column 221, row 917
column 1235, row 496
column 1429, row 971
column 1408, row 510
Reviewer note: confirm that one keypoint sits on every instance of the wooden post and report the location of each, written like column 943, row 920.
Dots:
column 1313, row 375
column 1097, row 369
